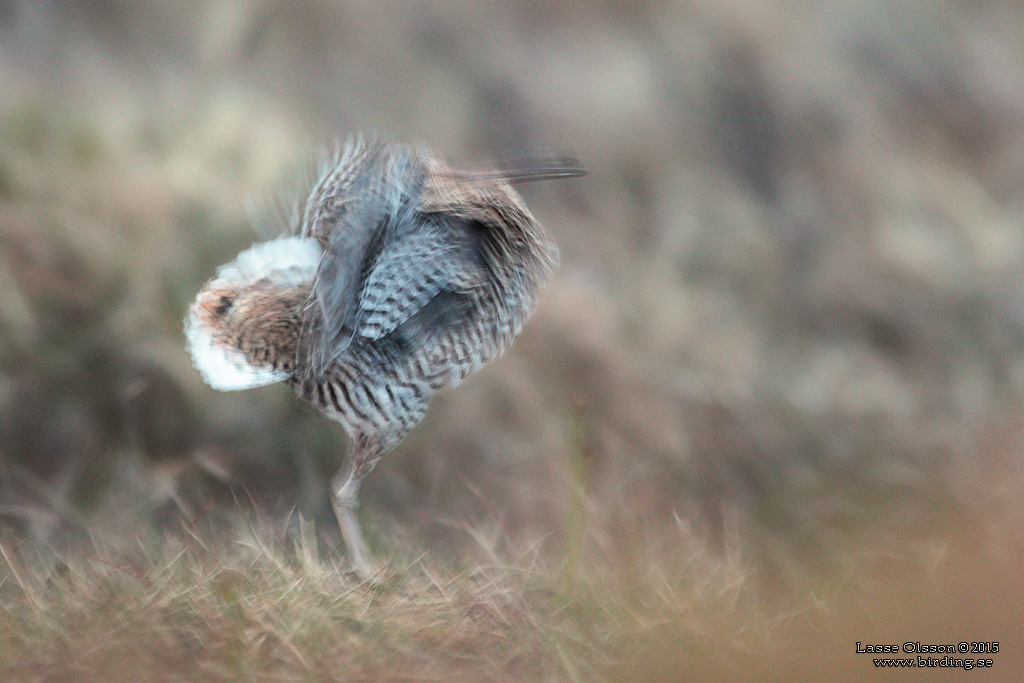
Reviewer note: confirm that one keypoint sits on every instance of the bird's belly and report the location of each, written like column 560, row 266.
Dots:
column 374, row 389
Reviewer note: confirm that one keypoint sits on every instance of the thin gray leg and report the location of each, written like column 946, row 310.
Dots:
column 345, row 499
column 366, row 452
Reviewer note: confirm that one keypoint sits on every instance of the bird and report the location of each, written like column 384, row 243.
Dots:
column 396, row 276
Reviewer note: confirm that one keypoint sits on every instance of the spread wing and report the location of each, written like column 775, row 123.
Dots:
column 386, row 264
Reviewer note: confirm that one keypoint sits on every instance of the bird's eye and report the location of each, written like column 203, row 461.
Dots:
column 224, row 305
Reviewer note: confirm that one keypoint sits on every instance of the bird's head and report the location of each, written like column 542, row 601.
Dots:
column 243, row 327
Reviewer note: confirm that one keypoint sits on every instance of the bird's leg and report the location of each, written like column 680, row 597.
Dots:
column 359, row 463
column 345, row 499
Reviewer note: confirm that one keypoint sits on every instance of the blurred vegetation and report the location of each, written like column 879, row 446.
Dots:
column 788, row 320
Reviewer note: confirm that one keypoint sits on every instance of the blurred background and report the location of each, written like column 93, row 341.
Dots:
column 790, row 313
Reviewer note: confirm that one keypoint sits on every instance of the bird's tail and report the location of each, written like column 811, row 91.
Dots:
column 528, row 170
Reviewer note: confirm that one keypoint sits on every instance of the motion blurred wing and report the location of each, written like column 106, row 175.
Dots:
column 373, row 204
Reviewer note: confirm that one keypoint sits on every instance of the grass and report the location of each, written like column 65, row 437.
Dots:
column 254, row 603
column 257, row 601
column 249, row 611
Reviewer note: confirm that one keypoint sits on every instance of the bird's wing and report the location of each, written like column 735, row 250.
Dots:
column 334, row 305
column 377, row 205
column 389, row 259
column 413, row 270
column 343, row 175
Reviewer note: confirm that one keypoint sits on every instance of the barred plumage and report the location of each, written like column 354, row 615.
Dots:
column 404, row 277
